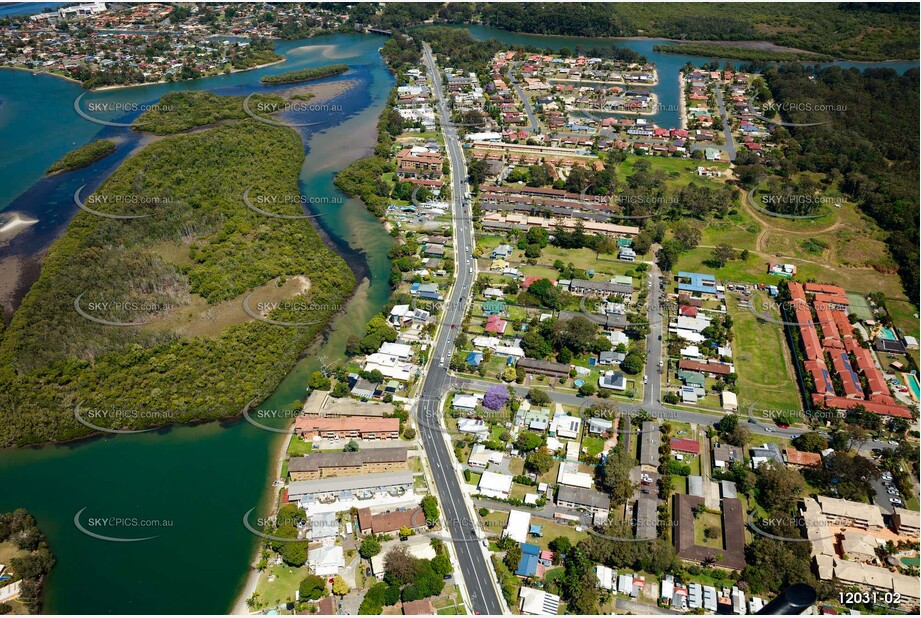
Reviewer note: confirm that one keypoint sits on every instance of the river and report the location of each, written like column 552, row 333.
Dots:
column 196, row 482
column 200, row 479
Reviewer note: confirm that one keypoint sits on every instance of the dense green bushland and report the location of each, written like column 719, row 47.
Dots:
column 740, row 53
column 188, row 109
column 83, row 156
column 201, row 240
column 305, row 75
column 865, row 146
column 855, row 31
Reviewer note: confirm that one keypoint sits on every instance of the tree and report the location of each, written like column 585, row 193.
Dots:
column 632, row 363
column 587, row 389
column 351, row 447
column 340, row 588
column 535, row 346
column 528, row 441
column 560, row 545
column 409, row 433
column 312, row 588
column 539, row 397
column 399, row 565
column 539, row 461
column 667, row 255
column 429, row 506
column 441, row 564
column 688, row 236
column 779, row 488
column 811, row 442
column 512, row 557
column 369, row 548
column 577, row 334
column 615, row 475
column 405, row 532
column 294, row 553
column 722, row 253
column 495, row 397
column 319, row 382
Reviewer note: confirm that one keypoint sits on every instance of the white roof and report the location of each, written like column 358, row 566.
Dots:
column 518, row 525
column 729, row 398
column 471, row 425
column 464, row 401
column 491, row 481
column 400, row 350
column 538, row 603
column 605, row 576
column 326, row 560
column 696, row 324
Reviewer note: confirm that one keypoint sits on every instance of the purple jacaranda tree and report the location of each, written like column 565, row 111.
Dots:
column 495, row 397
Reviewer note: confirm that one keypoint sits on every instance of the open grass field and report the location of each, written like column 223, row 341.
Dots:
column 679, row 172
column 761, row 360
column 282, row 588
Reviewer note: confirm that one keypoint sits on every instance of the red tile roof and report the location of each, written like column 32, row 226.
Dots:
column 685, row 445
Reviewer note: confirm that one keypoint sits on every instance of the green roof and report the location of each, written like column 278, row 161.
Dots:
column 691, row 377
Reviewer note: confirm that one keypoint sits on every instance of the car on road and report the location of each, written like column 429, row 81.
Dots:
column 886, row 476
column 893, row 442
column 769, row 430
column 645, row 379
column 876, row 451
column 896, row 501
column 453, row 326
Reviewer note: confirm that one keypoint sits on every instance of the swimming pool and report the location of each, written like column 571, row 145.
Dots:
column 913, row 385
column 887, row 333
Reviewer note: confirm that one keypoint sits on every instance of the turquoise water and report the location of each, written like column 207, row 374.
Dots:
column 913, row 385
column 202, row 479
column 886, row 333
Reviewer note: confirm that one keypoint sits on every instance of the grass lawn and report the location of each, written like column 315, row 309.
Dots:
column 552, row 530
column 520, row 491
column 298, row 447
column 592, row 445
column 760, row 355
column 475, row 478
column 516, row 466
column 286, row 581
column 705, row 521
column 679, row 484
column 679, row 172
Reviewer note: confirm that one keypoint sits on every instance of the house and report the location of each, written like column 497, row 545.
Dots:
column 906, row 523
column 801, row 459
column 765, row 453
column 594, row 502
column 347, row 428
column 475, row 426
column 646, row 520
column 326, row 560
column 852, row 514
column 391, row 521
column 363, row 389
column 712, row 369
column 606, row 577
column 529, row 565
column 599, row 425
column 729, row 400
column 493, row 485
column 400, row 350
column 324, row 526
column 422, row 607
column 350, row 488
column 697, row 283
column 332, row 464
column 612, row 380
column 565, row 426
column 502, row 252
column 585, row 287
column 684, row 445
column 727, row 454
column 495, row 325
column 732, row 555
column 481, row 457
column 544, row 367
column 467, row 403
column 536, row 602
column 517, row 526
column 649, row 447
column 568, row 474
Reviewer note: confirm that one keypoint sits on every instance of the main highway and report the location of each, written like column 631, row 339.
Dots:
column 476, row 572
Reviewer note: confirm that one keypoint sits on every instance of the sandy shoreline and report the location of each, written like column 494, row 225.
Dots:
column 239, row 607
